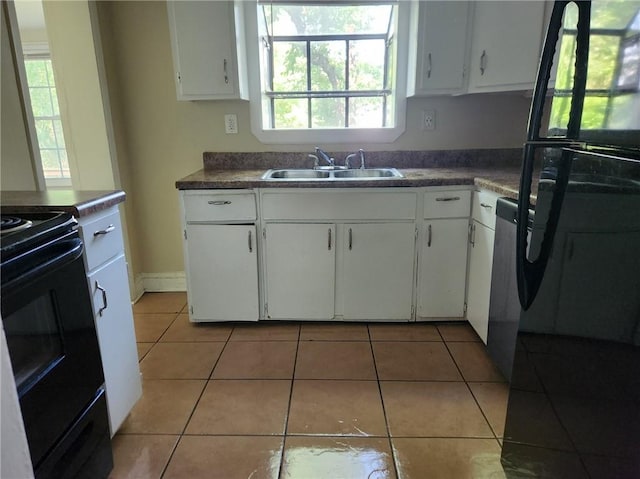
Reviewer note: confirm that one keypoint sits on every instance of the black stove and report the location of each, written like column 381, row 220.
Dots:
column 47, row 316
column 9, row 224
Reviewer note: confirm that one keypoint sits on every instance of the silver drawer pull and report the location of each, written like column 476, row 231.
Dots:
column 104, row 298
column 484, row 205
column 448, row 198
column 105, row 231
column 219, row 202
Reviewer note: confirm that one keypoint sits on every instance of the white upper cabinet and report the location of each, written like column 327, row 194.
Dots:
column 207, row 40
column 505, row 45
column 437, row 60
column 473, row 47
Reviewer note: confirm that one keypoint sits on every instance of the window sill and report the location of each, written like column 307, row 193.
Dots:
column 328, row 136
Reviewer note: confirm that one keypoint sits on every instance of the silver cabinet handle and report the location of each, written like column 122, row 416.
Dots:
column 485, row 205
column 104, row 298
column 472, row 235
column 329, row 240
column 429, row 65
column 219, row 202
column 105, row 231
column 350, row 239
column 483, row 62
column 226, row 75
column 250, row 243
column 429, row 237
column 448, row 198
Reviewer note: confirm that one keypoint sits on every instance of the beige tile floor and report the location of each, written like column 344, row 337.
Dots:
column 309, row 400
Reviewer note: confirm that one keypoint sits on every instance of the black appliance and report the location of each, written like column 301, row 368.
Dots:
column 51, row 337
column 574, row 403
column 504, row 307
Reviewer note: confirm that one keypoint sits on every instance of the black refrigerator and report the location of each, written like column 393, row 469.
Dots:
column 574, row 403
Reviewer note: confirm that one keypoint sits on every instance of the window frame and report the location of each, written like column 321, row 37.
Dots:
column 259, row 97
column 38, row 52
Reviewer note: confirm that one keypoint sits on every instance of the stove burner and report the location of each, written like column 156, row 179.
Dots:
column 9, row 224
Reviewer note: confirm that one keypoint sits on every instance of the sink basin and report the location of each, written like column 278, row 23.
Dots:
column 331, row 175
column 368, row 174
column 295, row 175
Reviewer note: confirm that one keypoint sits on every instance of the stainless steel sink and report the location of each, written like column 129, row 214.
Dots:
column 331, row 175
column 295, row 175
column 368, row 173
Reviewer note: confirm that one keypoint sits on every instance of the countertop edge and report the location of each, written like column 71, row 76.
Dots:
column 496, row 181
column 78, row 203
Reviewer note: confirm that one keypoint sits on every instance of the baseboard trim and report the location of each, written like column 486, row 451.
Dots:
column 160, row 282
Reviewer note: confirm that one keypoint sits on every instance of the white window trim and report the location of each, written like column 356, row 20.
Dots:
column 35, row 51
column 326, row 135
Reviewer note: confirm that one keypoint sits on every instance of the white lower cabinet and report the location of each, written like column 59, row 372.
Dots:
column 479, row 279
column 116, row 337
column 354, row 254
column 109, row 286
column 443, row 266
column 481, row 236
column 223, row 272
column 300, row 270
column 378, row 270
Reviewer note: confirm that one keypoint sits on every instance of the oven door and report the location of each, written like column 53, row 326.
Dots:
column 51, row 337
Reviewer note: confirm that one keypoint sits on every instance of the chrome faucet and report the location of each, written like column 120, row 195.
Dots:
column 347, row 161
column 322, row 154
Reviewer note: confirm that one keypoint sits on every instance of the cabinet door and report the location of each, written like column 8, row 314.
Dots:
column 378, row 270
column 109, row 288
column 300, row 271
column 479, row 282
column 442, row 47
column 599, row 289
column 443, row 268
column 222, row 272
column 506, row 44
column 203, row 38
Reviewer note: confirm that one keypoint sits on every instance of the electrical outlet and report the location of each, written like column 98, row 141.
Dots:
column 231, row 124
column 428, row 120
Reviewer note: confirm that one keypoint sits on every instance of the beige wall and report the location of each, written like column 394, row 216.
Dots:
column 162, row 140
column 16, row 167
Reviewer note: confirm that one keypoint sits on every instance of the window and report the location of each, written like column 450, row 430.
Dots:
column 330, row 70
column 46, row 113
column 613, row 80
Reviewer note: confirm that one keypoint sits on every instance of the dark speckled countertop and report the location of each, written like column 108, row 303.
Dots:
column 501, row 179
column 78, row 203
column 492, row 169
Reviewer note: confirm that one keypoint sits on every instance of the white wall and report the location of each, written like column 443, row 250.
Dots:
column 15, row 460
column 16, row 164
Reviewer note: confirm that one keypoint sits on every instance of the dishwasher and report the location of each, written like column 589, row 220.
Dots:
column 504, row 306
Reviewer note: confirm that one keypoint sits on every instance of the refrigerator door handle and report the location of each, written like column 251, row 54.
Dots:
column 529, row 273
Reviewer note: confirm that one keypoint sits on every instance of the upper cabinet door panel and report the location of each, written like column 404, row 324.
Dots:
column 442, row 47
column 506, row 42
column 203, row 43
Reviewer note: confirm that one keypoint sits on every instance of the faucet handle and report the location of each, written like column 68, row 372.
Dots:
column 347, row 160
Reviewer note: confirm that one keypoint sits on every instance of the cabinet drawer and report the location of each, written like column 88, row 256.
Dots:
column 219, row 207
column 339, row 205
column 102, row 239
column 447, row 204
column 484, row 207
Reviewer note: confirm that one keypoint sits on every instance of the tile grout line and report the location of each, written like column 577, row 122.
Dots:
column 384, row 410
column 286, row 421
column 471, row 392
column 164, row 470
